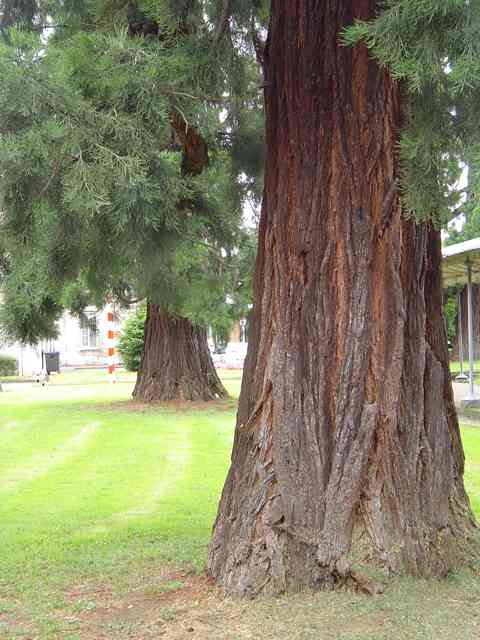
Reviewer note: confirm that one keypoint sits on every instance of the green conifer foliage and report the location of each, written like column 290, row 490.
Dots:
column 98, row 127
column 432, row 47
column 130, row 344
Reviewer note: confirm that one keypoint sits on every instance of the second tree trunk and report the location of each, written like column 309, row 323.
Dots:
column 176, row 362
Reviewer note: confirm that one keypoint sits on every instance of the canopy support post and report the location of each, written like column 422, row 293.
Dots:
column 461, row 377
column 471, row 395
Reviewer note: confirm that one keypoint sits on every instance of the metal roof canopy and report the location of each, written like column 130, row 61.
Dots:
column 461, row 265
column 455, row 260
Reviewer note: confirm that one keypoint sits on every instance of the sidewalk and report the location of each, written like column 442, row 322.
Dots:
column 461, row 390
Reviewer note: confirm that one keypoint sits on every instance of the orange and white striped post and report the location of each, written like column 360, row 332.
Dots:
column 111, row 339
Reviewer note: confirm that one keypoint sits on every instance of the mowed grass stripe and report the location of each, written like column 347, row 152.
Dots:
column 34, row 434
column 40, row 464
column 160, row 476
column 204, row 482
column 189, row 476
column 143, row 480
column 113, row 474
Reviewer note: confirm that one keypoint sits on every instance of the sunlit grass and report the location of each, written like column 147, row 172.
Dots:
column 90, row 484
column 455, row 367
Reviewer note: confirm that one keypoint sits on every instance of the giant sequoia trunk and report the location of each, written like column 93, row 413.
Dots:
column 176, row 362
column 347, row 448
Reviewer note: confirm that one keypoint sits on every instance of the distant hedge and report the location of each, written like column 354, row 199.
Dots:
column 130, row 344
column 8, row 366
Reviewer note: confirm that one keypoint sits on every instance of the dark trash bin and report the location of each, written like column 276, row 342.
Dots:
column 52, row 362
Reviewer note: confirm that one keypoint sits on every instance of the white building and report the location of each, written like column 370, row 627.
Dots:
column 84, row 343
column 81, row 342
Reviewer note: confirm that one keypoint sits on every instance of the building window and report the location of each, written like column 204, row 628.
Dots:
column 89, row 331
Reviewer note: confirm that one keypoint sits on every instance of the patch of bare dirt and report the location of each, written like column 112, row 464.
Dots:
column 176, row 406
column 15, row 625
column 363, row 625
column 158, row 609
column 169, row 603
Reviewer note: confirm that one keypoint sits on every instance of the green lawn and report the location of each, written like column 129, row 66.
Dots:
column 455, row 367
column 106, row 509
column 471, row 443
column 87, row 480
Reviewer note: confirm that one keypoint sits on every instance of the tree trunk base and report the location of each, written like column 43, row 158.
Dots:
column 289, row 561
column 176, row 362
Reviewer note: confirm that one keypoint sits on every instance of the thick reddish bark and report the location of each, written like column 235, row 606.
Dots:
column 347, row 448
column 176, row 362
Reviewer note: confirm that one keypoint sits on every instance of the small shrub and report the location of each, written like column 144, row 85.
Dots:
column 130, row 343
column 8, row 365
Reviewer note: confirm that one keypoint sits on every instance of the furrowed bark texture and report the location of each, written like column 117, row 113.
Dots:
column 347, row 448
column 176, row 361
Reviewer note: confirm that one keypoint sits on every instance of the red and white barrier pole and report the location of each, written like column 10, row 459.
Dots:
column 111, row 339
